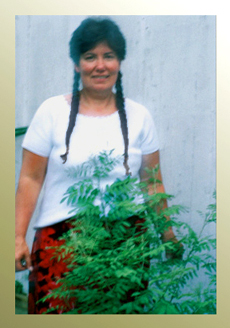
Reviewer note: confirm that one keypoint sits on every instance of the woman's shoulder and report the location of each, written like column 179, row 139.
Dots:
column 53, row 105
column 57, row 100
column 51, row 109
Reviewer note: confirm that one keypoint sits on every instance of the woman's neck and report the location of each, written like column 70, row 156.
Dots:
column 97, row 104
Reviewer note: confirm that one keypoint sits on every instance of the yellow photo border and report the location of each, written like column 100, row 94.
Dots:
column 8, row 10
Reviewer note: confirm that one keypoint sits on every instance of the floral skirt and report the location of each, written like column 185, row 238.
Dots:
column 48, row 269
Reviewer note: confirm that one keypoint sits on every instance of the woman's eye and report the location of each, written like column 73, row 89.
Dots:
column 109, row 56
column 89, row 57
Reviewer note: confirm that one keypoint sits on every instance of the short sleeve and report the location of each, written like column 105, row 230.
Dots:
column 149, row 138
column 38, row 138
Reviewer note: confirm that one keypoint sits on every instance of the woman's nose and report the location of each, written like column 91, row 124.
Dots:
column 100, row 64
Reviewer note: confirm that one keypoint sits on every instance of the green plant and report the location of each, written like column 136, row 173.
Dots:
column 115, row 256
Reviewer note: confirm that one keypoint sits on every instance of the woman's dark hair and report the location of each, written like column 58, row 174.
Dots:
column 88, row 35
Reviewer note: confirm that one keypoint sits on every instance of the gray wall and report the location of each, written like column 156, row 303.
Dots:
column 169, row 68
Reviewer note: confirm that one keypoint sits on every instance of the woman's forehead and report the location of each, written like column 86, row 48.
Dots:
column 101, row 46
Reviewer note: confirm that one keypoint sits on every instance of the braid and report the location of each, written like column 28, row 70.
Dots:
column 123, row 119
column 73, row 114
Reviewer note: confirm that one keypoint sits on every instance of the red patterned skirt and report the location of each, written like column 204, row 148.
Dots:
column 47, row 269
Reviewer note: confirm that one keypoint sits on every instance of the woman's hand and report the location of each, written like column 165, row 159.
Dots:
column 150, row 161
column 22, row 255
column 177, row 252
column 30, row 183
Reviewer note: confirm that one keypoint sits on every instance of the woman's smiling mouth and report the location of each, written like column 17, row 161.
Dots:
column 100, row 76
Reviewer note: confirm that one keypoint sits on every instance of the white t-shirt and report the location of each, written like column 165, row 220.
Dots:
column 91, row 135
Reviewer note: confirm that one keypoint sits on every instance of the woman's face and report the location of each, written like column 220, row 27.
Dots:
column 98, row 68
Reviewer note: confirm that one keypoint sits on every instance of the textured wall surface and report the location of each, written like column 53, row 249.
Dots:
column 169, row 68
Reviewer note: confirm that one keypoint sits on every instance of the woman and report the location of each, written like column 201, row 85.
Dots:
column 65, row 131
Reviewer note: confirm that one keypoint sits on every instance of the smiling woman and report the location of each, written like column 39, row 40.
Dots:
column 64, row 133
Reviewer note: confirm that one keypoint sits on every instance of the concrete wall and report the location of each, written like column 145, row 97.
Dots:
column 170, row 68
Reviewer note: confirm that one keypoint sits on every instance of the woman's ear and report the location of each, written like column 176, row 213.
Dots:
column 77, row 69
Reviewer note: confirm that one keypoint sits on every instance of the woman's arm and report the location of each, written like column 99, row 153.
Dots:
column 150, row 161
column 30, row 183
